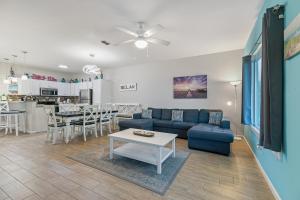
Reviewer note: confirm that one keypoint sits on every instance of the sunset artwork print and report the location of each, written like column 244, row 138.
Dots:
column 190, row 87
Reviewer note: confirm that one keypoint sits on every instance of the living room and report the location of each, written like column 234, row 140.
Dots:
column 149, row 99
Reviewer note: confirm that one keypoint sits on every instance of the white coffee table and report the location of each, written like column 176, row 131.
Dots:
column 151, row 150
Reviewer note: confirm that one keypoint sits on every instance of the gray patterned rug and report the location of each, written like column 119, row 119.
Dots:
column 137, row 172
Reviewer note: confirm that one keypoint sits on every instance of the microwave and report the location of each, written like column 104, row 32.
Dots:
column 48, row 92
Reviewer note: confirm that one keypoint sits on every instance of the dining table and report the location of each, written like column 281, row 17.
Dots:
column 15, row 114
column 70, row 116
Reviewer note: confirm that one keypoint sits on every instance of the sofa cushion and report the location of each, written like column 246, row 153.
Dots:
column 147, row 114
column 204, row 115
column 225, row 123
column 156, row 113
column 163, row 123
column 177, row 115
column 191, row 115
column 166, row 114
column 215, row 118
column 183, row 125
column 210, row 132
column 146, row 124
column 137, row 116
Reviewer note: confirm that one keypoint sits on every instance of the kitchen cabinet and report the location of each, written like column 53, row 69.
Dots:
column 63, row 89
column 74, row 89
column 29, row 87
column 101, row 91
column 48, row 84
column 101, row 88
column 34, row 113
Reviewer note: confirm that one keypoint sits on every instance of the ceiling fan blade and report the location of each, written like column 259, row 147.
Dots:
column 158, row 41
column 127, row 31
column 153, row 30
column 124, row 42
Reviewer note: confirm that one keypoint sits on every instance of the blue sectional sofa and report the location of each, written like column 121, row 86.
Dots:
column 194, row 127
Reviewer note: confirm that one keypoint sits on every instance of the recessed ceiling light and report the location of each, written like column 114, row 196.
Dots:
column 63, row 66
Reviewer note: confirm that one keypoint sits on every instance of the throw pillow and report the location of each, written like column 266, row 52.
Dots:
column 146, row 114
column 177, row 115
column 215, row 118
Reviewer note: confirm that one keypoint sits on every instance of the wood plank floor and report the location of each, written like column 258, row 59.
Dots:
column 32, row 169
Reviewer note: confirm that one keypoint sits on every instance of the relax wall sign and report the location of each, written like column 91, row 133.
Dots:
column 128, row 87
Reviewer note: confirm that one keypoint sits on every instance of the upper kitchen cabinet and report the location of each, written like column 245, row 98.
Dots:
column 64, row 89
column 29, row 87
column 48, row 84
column 74, row 89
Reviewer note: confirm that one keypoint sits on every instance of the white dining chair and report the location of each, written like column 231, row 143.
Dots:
column 105, row 117
column 89, row 121
column 55, row 128
column 4, row 107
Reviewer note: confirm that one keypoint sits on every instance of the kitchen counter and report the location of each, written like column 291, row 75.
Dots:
column 36, row 117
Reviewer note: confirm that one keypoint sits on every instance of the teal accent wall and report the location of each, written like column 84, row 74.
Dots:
column 283, row 173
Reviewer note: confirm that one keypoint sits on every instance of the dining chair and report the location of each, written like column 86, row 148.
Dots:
column 89, row 121
column 105, row 117
column 4, row 107
column 55, row 128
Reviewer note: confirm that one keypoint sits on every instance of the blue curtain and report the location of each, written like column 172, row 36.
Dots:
column 246, row 91
column 271, row 125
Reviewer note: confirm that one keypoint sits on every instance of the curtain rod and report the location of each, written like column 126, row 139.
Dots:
column 257, row 42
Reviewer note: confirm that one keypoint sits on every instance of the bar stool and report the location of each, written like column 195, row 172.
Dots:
column 4, row 108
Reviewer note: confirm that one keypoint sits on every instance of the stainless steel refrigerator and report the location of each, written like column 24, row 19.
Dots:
column 86, row 96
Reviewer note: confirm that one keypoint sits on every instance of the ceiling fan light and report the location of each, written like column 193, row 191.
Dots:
column 141, row 44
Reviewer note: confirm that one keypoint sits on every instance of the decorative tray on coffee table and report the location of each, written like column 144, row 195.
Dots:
column 143, row 133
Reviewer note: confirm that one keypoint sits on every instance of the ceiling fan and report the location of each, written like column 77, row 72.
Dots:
column 143, row 37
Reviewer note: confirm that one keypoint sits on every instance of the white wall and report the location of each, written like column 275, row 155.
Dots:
column 155, row 82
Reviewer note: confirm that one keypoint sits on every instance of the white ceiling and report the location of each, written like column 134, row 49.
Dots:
column 67, row 31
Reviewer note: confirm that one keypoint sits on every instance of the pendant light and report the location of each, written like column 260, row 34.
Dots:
column 24, row 77
column 12, row 76
column 6, row 81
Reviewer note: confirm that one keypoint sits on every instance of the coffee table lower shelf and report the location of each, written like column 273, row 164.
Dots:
column 151, row 154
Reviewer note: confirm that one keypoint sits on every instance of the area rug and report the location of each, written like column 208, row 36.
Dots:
column 137, row 172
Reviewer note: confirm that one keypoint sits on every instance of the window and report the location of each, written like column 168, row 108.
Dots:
column 256, row 92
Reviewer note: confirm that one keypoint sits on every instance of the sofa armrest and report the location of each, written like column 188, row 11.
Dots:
column 225, row 123
column 137, row 115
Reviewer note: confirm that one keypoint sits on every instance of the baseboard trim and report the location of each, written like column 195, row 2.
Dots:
column 270, row 184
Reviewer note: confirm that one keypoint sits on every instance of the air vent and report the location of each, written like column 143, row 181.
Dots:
column 105, row 42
